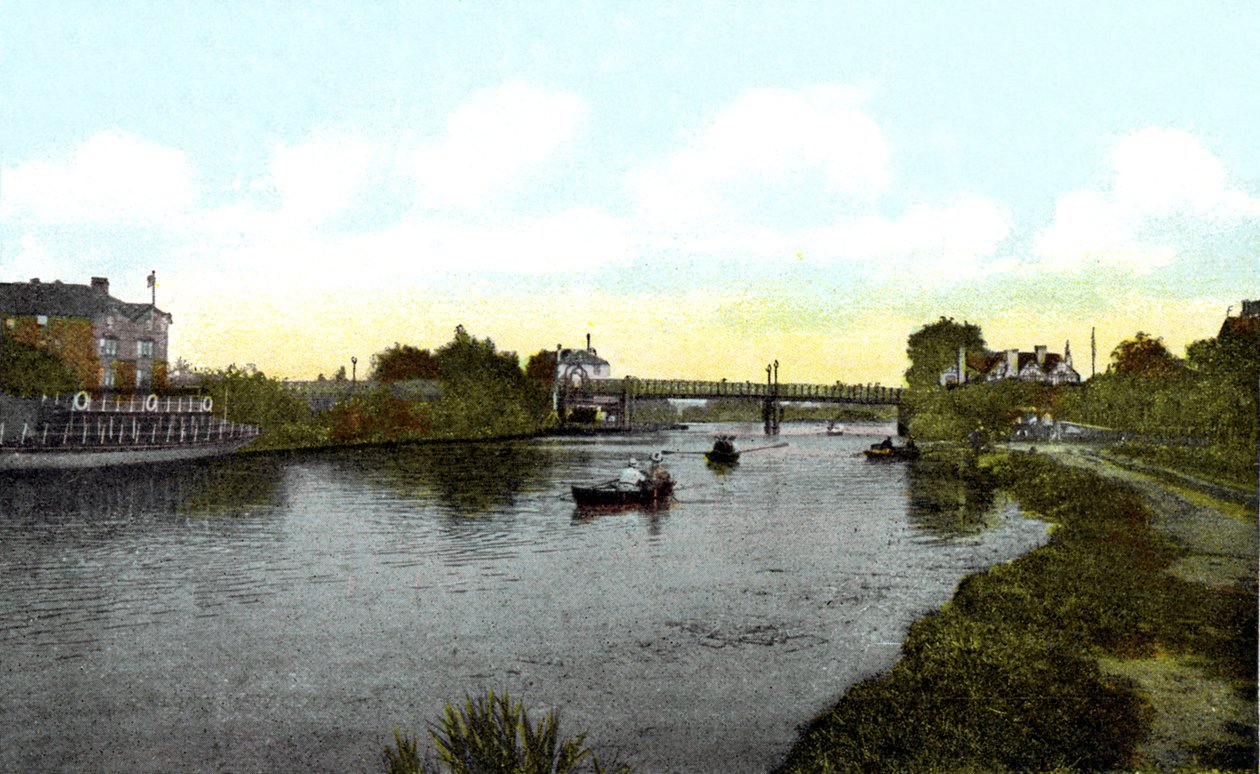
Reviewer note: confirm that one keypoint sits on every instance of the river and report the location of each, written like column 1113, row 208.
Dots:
column 284, row 613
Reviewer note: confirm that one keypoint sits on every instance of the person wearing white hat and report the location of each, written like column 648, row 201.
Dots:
column 657, row 474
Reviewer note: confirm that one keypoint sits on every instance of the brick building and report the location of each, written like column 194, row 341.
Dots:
column 110, row 344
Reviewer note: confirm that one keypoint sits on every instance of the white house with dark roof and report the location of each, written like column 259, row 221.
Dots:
column 1039, row 366
column 575, row 367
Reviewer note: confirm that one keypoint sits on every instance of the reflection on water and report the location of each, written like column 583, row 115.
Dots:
column 193, row 489
column 467, row 479
column 951, row 497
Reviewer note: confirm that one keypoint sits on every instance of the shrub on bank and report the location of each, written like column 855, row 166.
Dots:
column 493, row 734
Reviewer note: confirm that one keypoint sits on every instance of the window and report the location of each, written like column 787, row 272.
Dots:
column 107, row 376
column 41, row 320
column 142, row 378
column 109, row 348
column 144, row 348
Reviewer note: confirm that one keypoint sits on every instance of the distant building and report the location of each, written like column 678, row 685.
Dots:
column 1040, row 366
column 575, row 367
column 109, row 343
column 1246, row 323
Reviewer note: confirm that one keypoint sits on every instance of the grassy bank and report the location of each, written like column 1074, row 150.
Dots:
column 1018, row 672
column 1229, row 464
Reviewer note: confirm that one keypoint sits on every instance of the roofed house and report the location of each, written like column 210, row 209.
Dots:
column 1245, row 324
column 109, row 343
column 1039, row 366
column 575, row 367
column 1036, row 366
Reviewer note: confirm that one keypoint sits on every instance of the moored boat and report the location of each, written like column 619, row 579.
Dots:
column 891, row 453
column 85, row 431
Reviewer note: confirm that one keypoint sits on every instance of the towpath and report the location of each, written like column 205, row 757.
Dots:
column 1198, row 713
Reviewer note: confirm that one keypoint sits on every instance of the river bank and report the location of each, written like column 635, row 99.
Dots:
column 1126, row 642
column 1197, row 712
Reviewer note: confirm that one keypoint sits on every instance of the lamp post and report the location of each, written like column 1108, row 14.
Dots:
column 354, row 370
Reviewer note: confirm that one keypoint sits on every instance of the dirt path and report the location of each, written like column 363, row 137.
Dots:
column 1197, row 714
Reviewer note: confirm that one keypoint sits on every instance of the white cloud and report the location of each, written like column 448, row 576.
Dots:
column 571, row 240
column 110, row 177
column 769, row 136
column 946, row 242
column 1162, row 171
column 318, row 178
column 1165, row 191
column 492, row 141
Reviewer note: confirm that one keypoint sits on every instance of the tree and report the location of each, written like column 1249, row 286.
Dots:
column 484, row 392
column 26, row 369
column 402, row 362
column 1144, row 355
column 934, row 348
column 542, row 366
column 340, row 376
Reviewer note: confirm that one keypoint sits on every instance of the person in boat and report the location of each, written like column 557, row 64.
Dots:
column 910, row 445
column 631, row 477
column 657, row 474
column 884, row 444
column 724, row 445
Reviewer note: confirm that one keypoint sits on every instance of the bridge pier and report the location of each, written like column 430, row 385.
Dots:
column 627, row 406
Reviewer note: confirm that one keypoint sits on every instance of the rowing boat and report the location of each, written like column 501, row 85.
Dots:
column 612, row 496
column 889, row 454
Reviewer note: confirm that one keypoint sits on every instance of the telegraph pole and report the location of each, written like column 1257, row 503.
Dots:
column 1093, row 352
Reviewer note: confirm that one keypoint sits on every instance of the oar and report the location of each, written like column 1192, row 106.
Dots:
column 762, row 448
column 670, row 451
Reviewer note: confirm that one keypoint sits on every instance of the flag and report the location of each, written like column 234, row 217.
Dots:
column 153, row 279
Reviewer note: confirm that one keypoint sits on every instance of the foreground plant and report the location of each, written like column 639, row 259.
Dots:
column 493, row 734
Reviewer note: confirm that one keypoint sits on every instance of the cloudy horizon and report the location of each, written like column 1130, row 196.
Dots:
column 701, row 187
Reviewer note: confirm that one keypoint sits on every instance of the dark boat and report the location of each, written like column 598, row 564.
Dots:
column 723, row 451
column 891, row 453
column 611, row 496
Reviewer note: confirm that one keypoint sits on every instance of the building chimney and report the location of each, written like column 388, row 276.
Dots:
column 101, row 285
column 1040, row 349
column 1012, row 363
column 962, row 364
column 1067, row 353
column 588, row 342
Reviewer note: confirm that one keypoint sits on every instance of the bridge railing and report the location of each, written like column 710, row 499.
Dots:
column 681, row 388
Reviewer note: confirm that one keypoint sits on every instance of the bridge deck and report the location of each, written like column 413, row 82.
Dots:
column 677, row 388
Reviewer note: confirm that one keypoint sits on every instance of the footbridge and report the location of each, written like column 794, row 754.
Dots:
column 616, row 398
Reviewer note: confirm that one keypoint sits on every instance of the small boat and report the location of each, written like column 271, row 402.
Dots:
column 723, row 451
column 834, row 429
column 891, row 453
column 611, row 496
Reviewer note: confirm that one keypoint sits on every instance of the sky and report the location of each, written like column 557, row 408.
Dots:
column 703, row 187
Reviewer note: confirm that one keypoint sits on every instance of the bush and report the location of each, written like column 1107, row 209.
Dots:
column 494, row 735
